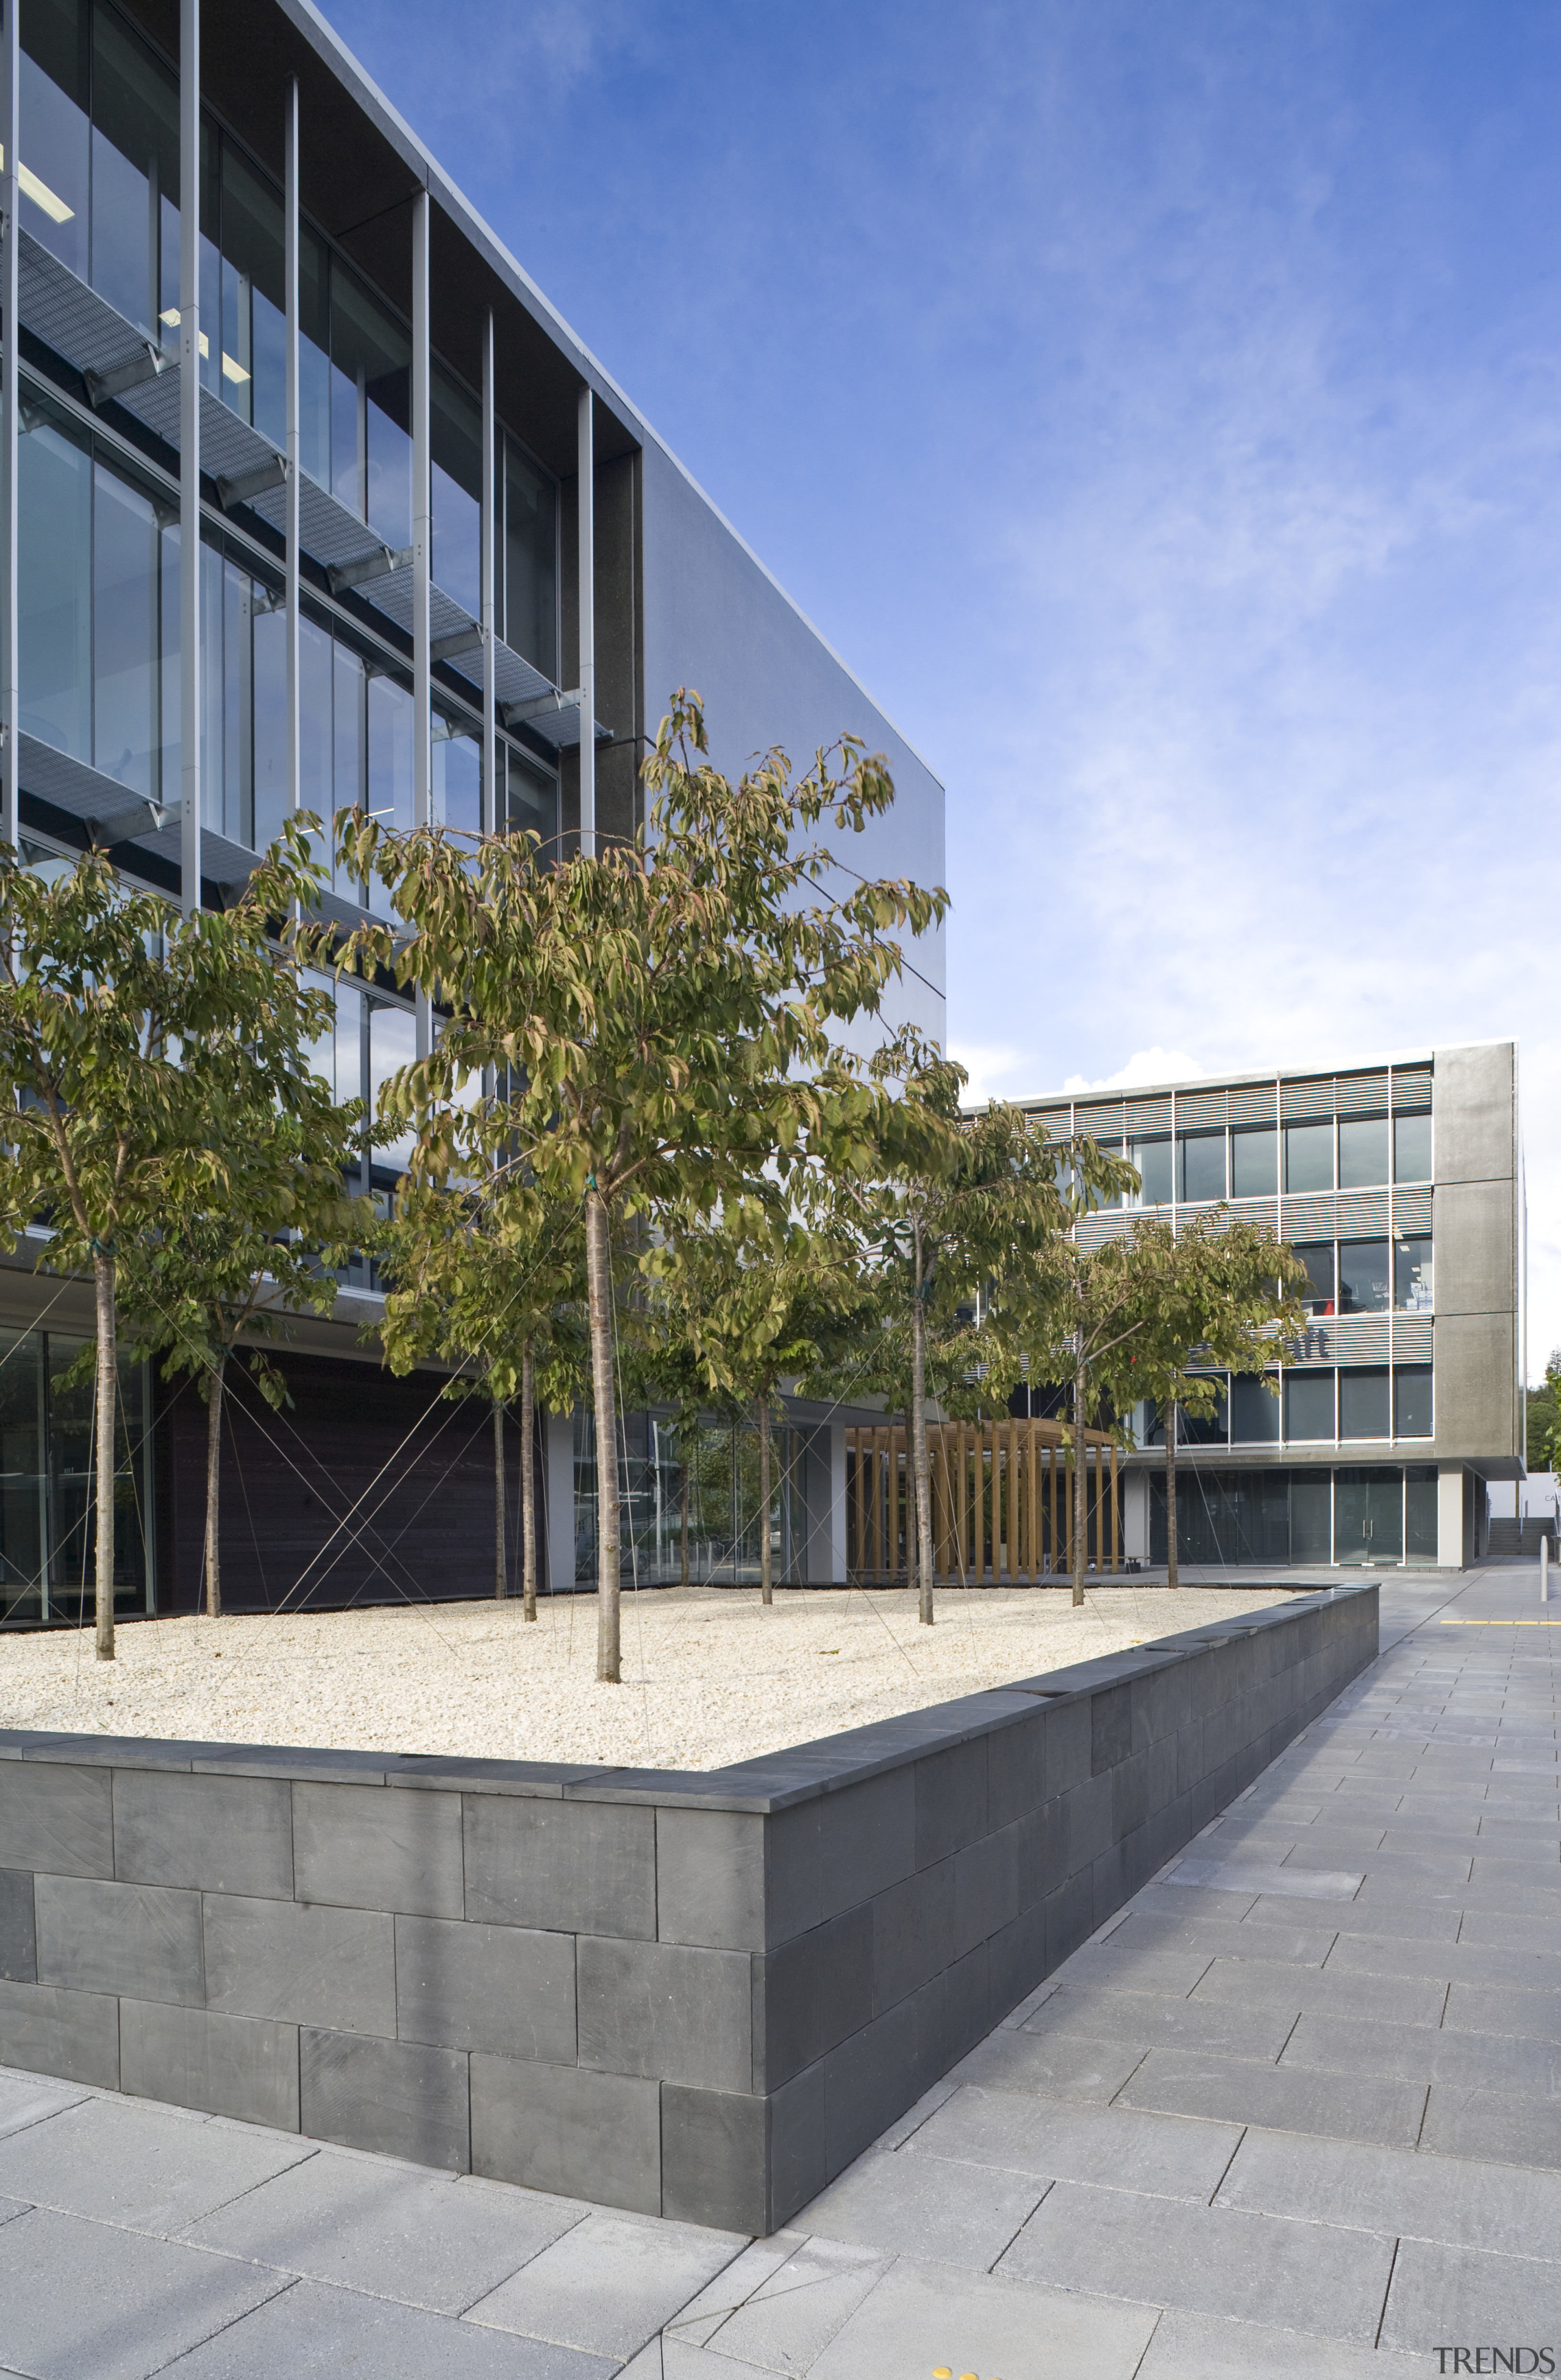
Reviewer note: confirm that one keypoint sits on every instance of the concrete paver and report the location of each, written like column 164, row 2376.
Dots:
column 1296, row 2108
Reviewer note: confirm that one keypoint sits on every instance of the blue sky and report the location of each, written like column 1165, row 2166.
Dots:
column 1159, row 408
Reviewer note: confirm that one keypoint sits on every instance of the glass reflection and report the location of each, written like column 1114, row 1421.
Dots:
column 1308, row 1157
column 1413, row 1274
column 1254, row 1162
column 1363, row 1276
column 1411, row 1147
column 1363, row 1401
column 1362, row 1152
column 1202, row 1166
column 1308, row 1404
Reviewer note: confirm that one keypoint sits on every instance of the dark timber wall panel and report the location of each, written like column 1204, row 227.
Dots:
column 693, row 1994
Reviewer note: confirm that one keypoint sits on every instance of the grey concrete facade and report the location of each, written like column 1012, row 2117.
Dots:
column 1461, row 1321
column 697, row 1996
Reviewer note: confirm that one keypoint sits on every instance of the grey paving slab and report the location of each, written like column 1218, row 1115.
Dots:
column 1206, row 2260
column 1308, row 1946
column 607, row 2284
column 29, row 2099
column 1049, row 2138
column 389, row 2229
column 1497, row 1929
column 925, row 2316
column 1413, row 2052
column 312, row 2329
column 1460, row 2202
column 1052, row 2066
column 1119, row 1965
column 1483, row 2009
column 1405, row 1921
column 1472, row 2121
column 1140, row 2017
column 1460, row 1963
column 152, row 2168
column 1255, row 1876
column 785, row 2321
column 902, row 2206
column 79, row 2299
column 1250, row 1986
column 1282, row 2100
column 1203, row 2346
column 1464, row 2294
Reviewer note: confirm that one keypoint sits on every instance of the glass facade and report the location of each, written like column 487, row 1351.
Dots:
column 725, row 1511
column 48, row 1530
column 1344, row 1153
column 1366, row 1513
column 1316, row 1402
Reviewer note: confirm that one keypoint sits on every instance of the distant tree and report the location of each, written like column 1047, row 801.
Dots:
column 489, row 1280
column 137, row 1046
column 959, row 1225
column 1543, row 1433
column 662, row 1015
column 1214, row 1295
column 226, row 1266
column 757, row 1300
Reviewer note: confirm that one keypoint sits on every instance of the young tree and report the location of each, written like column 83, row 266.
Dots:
column 1152, row 1311
column 135, row 1046
column 662, row 1012
column 757, row 1302
column 226, row 1267
column 1216, row 1294
column 489, row 1278
column 963, row 1223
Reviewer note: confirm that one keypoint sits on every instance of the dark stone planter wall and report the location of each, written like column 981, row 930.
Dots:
column 694, row 1995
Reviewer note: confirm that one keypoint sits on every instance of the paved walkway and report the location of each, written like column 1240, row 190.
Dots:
column 1297, row 2110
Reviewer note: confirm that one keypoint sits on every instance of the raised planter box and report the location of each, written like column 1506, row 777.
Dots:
column 699, row 1996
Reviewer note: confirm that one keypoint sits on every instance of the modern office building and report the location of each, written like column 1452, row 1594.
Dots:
column 308, row 497
column 1400, row 1185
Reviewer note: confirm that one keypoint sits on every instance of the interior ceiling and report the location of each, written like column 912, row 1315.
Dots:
column 357, row 185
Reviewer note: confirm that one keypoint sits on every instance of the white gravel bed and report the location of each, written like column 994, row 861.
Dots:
column 709, row 1676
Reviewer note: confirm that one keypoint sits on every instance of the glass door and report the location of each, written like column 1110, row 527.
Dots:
column 1369, row 1514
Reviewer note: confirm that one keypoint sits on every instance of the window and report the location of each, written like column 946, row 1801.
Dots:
column 1369, row 1514
column 456, row 443
column 458, row 777
column 1362, row 1152
column 1308, row 1404
column 393, row 1044
column 1308, row 1157
column 1254, row 1162
column 1154, row 1160
column 1419, row 1514
column 1254, row 1412
column 1203, row 1165
column 530, row 561
column 56, row 129
column 1411, row 1147
column 1363, row 1403
column 1321, row 1295
column 1312, row 1519
column 1412, row 1275
column 1363, row 1276
column 1205, row 1429
column 1412, row 1415
column 532, row 799
column 98, row 559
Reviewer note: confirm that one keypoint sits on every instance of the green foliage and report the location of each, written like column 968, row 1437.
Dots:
column 1543, row 1418
column 159, row 1099
column 660, row 1015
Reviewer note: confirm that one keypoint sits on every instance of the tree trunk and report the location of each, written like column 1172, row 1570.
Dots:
column 919, row 1477
column 213, row 1487
column 683, row 1523
column 1080, row 1488
column 500, row 1517
column 599, row 1281
column 107, row 1393
column 527, row 1482
column 1171, row 1494
column 766, row 1580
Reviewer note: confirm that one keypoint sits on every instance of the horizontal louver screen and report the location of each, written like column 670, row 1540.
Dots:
column 1412, row 1339
column 1411, row 1088
column 1141, row 1118
column 1411, row 1210
column 1101, row 1122
column 1254, row 1102
column 1300, row 1101
column 1095, row 1230
column 1196, row 1111
column 1362, row 1095
column 1360, row 1338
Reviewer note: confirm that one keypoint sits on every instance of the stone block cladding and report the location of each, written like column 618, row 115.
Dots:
column 692, row 1995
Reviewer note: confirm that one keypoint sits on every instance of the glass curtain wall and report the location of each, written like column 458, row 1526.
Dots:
column 725, row 1513
column 1348, row 1153
column 1316, row 1402
column 48, row 1530
column 1364, row 1514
